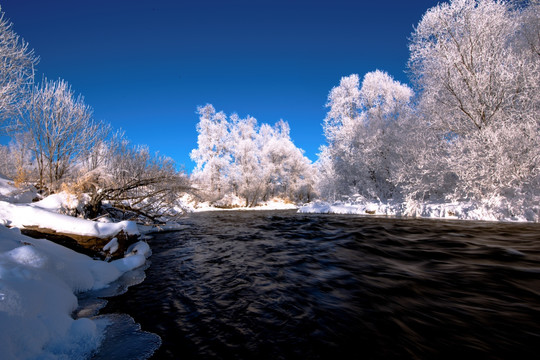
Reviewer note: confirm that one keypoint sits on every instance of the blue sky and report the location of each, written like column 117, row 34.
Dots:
column 145, row 66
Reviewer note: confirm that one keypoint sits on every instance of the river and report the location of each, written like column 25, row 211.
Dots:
column 283, row 285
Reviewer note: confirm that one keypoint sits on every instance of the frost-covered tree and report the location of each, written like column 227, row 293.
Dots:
column 287, row 172
column 17, row 63
column 16, row 160
column 212, row 155
column 248, row 161
column 61, row 127
column 531, row 26
column 386, row 108
column 246, row 174
column 362, row 131
column 463, row 60
column 340, row 128
column 326, row 179
column 475, row 64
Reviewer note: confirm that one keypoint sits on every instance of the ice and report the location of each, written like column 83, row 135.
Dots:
column 125, row 340
column 84, row 337
column 38, row 283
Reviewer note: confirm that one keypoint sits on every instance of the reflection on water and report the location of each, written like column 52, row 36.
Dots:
column 281, row 285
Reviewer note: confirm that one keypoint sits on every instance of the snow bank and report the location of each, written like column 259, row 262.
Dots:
column 461, row 211
column 9, row 192
column 62, row 202
column 274, row 204
column 21, row 215
column 150, row 229
column 347, row 208
column 38, row 282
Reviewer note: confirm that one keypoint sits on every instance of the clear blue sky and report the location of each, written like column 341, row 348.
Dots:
column 145, row 66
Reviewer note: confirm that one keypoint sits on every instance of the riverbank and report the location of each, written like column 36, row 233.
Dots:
column 39, row 279
column 274, row 204
column 489, row 211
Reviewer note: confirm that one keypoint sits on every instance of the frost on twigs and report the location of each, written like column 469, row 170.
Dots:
column 470, row 134
column 241, row 163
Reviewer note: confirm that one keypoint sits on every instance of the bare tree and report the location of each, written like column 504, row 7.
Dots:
column 62, row 128
column 17, row 63
column 132, row 181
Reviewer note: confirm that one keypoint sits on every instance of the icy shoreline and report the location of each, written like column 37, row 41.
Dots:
column 40, row 280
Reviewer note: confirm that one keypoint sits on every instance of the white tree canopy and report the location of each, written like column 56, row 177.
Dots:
column 361, row 131
column 236, row 156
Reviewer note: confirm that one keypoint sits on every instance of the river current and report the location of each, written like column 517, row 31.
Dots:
column 282, row 285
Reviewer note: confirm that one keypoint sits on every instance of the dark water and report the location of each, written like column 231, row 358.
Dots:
column 281, row 285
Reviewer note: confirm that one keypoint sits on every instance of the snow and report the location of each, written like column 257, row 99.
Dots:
column 111, row 246
column 274, row 204
column 139, row 248
column 24, row 215
column 38, row 282
column 61, row 202
column 9, row 192
column 462, row 211
column 39, row 278
column 129, row 263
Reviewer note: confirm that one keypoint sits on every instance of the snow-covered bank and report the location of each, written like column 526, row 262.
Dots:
column 9, row 192
column 38, row 282
column 239, row 204
column 39, row 278
column 461, row 211
column 26, row 215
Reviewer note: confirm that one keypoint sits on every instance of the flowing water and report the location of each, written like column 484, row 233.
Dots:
column 282, row 285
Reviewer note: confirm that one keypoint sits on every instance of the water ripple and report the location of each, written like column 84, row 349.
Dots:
column 280, row 285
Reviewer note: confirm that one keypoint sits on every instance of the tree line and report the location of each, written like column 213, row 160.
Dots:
column 470, row 130
column 466, row 129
